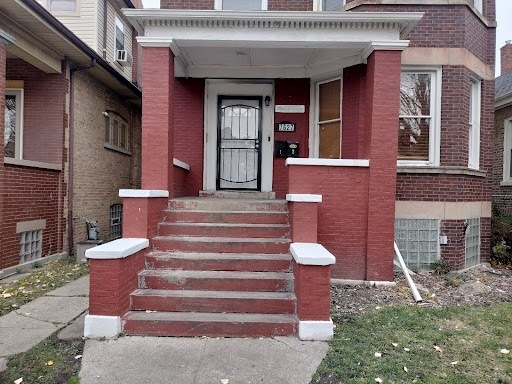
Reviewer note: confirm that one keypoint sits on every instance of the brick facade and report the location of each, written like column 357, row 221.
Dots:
column 3, row 63
column 502, row 194
column 506, row 58
column 273, row 5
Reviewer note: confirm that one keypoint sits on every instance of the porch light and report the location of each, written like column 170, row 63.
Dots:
column 267, row 101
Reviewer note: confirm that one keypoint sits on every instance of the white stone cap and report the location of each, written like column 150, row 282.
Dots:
column 316, row 330
column 143, row 193
column 117, row 249
column 181, row 164
column 303, row 198
column 328, row 162
column 311, row 254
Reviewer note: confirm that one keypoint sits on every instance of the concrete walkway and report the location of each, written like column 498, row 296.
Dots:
column 127, row 360
column 33, row 322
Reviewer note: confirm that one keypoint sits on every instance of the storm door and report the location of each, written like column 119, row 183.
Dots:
column 239, row 137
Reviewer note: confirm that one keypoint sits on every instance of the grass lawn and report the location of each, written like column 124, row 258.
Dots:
column 52, row 361
column 40, row 281
column 452, row 345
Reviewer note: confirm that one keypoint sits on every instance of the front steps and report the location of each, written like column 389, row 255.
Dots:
column 219, row 267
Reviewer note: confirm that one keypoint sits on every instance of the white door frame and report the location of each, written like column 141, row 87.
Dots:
column 216, row 88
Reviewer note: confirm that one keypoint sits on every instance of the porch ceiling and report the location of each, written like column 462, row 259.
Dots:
column 270, row 44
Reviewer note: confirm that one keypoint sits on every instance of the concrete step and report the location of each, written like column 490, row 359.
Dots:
column 219, row 261
column 238, row 195
column 247, row 217
column 224, row 229
column 225, row 205
column 217, row 280
column 221, row 244
column 213, row 301
column 210, row 324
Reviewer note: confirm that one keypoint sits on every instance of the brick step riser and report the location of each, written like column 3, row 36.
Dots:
column 223, row 231
column 217, row 284
column 222, row 205
column 225, row 217
column 213, row 329
column 212, row 305
column 220, row 247
column 220, row 265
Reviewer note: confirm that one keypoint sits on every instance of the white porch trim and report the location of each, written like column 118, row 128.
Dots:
column 316, row 330
column 117, row 249
column 303, row 198
column 311, row 254
column 328, row 162
column 143, row 192
column 97, row 326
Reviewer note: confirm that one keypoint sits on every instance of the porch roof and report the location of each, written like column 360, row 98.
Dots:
column 268, row 44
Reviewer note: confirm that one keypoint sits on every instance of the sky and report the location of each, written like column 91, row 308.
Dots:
column 503, row 33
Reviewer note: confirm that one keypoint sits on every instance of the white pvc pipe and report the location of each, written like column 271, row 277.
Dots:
column 414, row 290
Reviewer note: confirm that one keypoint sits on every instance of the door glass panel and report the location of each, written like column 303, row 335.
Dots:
column 329, row 134
column 329, row 103
column 239, row 142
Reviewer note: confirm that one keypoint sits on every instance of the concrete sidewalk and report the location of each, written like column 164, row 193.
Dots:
column 33, row 322
column 174, row 360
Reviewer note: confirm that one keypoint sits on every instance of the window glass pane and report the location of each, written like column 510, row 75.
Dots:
column 10, row 126
column 413, row 139
column 123, row 136
column 329, row 136
column 329, row 5
column 119, row 34
column 63, row 5
column 329, row 100
column 415, row 94
column 115, row 132
column 247, row 5
column 510, row 160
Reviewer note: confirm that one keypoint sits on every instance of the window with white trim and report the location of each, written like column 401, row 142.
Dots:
column 116, row 221
column 241, row 5
column 117, row 132
column 474, row 124
column 507, row 151
column 67, row 6
column 328, row 118
column 119, row 35
column 31, row 245
column 13, row 131
column 327, row 5
column 419, row 120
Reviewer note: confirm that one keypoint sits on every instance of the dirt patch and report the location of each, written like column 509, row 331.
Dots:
column 482, row 285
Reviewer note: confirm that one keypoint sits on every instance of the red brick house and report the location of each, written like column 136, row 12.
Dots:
column 349, row 125
column 60, row 163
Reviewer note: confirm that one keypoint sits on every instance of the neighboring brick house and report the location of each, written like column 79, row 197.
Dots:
column 56, row 90
column 502, row 176
column 374, row 122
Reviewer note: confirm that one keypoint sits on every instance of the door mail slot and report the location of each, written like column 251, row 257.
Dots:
column 292, row 149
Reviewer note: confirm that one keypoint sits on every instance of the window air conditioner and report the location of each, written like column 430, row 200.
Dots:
column 123, row 57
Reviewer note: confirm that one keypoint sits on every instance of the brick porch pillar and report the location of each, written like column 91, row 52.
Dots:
column 383, row 95
column 158, row 119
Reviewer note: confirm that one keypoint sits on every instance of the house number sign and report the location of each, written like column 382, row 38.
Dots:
column 285, row 126
column 291, row 108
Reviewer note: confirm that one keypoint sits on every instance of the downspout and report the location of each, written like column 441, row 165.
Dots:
column 105, row 27
column 412, row 286
column 72, row 72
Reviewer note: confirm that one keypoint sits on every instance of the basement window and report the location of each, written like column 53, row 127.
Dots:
column 31, row 245
column 418, row 241
column 116, row 221
column 472, row 254
column 241, row 5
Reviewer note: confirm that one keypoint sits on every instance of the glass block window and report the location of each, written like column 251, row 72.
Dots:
column 472, row 242
column 31, row 243
column 418, row 241
column 116, row 221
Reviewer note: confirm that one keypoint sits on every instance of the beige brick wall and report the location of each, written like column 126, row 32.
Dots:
column 99, row 172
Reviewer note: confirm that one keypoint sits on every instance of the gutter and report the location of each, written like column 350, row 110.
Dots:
column 77, row 42
column 71, row 151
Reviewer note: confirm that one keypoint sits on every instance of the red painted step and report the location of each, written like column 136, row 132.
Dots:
column 244, row 262
column 210, row 324
column 213, row 301
column 225, row 205
column 248, row 217
column 225, row 230
column 217, row 280
column 221, row 244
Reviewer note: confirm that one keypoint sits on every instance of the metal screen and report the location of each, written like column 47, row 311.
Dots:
column 418, row 241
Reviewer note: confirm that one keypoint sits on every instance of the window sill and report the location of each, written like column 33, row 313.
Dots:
column 117, row 149
column 442, row 170
column 506, row 183
column 32, row 164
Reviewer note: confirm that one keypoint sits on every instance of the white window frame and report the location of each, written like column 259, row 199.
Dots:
column 318, row 5
column 19, row 94
column 434, row 156
column 76, row 12
column 109, row 134
column 475, row 102
column 478, row 5
column 507, row 148
column 118, row 23
column 218, row 5
column 314, row 134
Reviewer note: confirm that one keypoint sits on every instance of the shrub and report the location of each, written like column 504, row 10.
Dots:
column 501, row 237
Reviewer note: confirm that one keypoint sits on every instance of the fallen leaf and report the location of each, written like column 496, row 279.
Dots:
column 454, row 363
column 18, row 381
column 405, row 369
column 378, row 380
column 406, row 349
column 438, row 349
column 504, row 351
column 224, row 381
column 395, row 344
column 377, row 354
column 49, row 363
